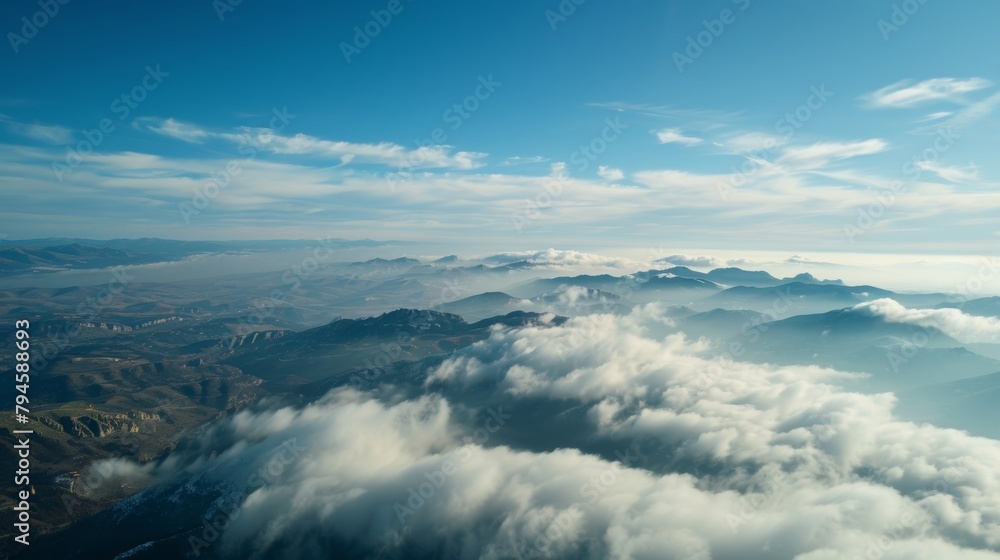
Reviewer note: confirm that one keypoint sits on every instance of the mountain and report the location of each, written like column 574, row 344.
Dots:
column 983, row 307
column 52, row 254
column 382, row 266
column 796, row 297
column 572, row 301
column 718, row 323
column 605, row 282
column 64, row 257
column 966, row 404
column 807, row 278
column 370, row 342
column 481, row 306
column 898, row 355
column 673, row 290
column 740, row 277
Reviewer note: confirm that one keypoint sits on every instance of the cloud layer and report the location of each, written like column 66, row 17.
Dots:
column 606, row 437
column 953, row 322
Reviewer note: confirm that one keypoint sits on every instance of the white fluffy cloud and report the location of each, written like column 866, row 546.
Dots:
column 953, row 322
column 691, row 260
column 705, row 459
column 568, row 259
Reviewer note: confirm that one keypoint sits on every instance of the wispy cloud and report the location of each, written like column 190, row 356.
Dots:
column 751, row 142
column 938, row 115
column 952, row 173
column 179, row 130
column 519, row 160
column 691, row 260
column 822, row 153
column 385, row 153
column 667, row 111
column 49, row 133
column 675, row 136
column 907, row 94
column 975, row 111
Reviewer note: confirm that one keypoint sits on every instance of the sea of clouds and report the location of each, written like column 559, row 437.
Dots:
column 609, row 436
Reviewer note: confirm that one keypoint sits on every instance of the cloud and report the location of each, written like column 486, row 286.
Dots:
column 48, row 133
column 820, row 154
column 799, row 259
column 178, row 130
column 975, row 112
column 560, row 258
column 953, row 322
column 518, row 160
column 705, row 116
column 753, row 142
column 689, row 260
column 950, row 173
column 567, row 259
column 144, row 190
column 386, row 153
column 907, row 94
column 672, row 179
column 675, row 136
column 938, row 115
column 605, row 437
column 610, row 173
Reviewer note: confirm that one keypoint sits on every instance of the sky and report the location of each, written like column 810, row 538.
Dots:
column 736, row 125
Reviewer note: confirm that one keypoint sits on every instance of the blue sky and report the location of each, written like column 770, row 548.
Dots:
column 858, row 126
